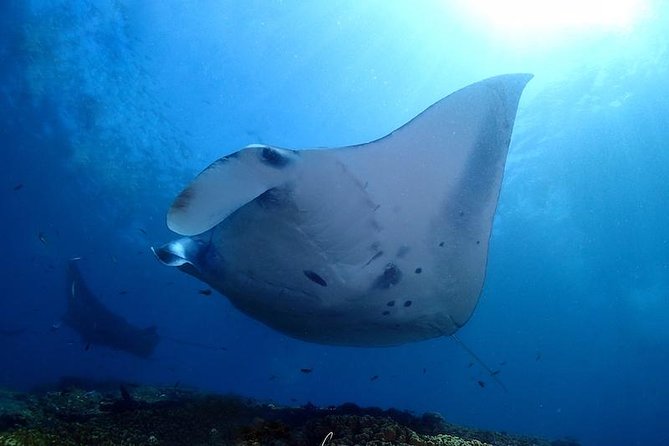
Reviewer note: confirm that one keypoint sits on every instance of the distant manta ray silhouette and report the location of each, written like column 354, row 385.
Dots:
column 371, row 245
column 96, row 324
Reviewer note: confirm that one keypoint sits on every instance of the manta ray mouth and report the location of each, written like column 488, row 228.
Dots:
column 170, row 254
column 184, row 253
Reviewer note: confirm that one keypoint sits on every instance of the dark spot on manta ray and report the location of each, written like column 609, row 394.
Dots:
column 390, row 276
column 407, row 303
column 418, row 270
column 391, row 303
column 315, row 277
column 386, row 313
column 273, row 157
column 404, row 250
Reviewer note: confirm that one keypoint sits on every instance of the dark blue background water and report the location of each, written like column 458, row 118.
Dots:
column 109, row 108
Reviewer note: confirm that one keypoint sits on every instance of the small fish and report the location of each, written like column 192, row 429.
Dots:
column 538, row 356
column 122, row 292
column 306, row 370
column 87, row 347
column 205, row 292
column 42, row 237
column 424, row 370
column 469, row 366
column 481, row 383
column 18, row 187
column 495, row 372
column 272, row 378
column 143, row 231
column 374, row 378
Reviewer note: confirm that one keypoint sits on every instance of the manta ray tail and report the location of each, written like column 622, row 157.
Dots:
column 475, row 357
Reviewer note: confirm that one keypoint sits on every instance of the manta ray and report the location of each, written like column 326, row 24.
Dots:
column 376, row 244
column 96, row 324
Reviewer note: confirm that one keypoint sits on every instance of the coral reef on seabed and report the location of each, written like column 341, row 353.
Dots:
column 133, row 415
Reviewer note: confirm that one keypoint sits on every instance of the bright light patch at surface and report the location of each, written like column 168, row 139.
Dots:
column 540, row 18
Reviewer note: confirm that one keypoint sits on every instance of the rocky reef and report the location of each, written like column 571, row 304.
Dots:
column 137, row 415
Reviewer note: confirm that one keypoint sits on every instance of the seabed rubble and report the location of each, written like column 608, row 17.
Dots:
column 160, row 416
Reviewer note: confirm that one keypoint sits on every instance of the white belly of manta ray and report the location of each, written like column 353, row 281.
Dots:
column 370, row 245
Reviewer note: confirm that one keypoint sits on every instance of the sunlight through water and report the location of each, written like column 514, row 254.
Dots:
column 553, row 20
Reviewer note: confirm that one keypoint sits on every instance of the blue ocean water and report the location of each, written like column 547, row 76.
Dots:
column 109, row 108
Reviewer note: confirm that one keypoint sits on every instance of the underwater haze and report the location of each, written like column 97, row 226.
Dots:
column 108, row 109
